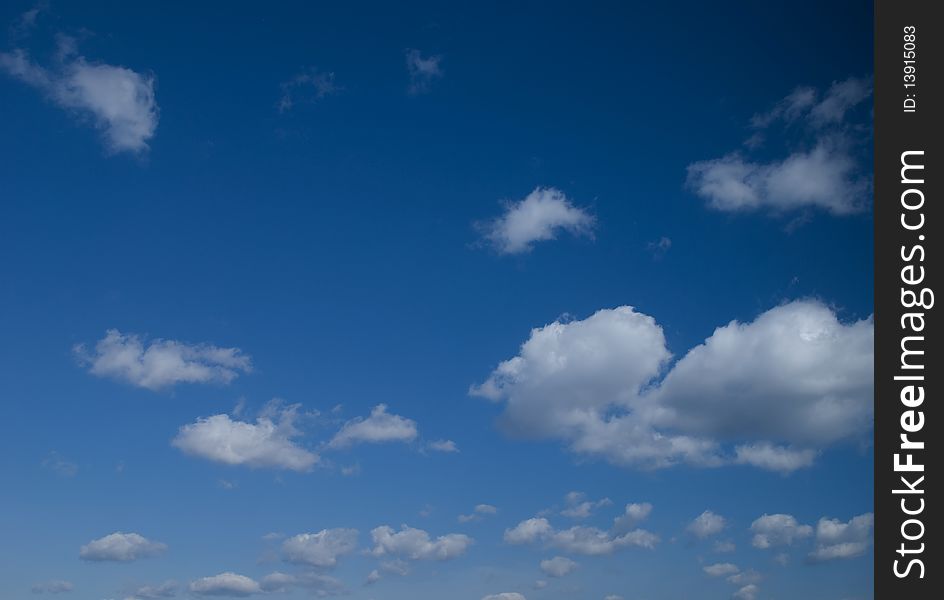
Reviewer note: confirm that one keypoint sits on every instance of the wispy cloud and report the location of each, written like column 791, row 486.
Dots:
column 161, row 363
column 118, row 101
column 308, row 86
column 423, row 71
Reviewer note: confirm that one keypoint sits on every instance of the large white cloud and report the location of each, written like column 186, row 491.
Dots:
column 415, row 544
column 778, row 530
column 836, row 540
column 161, row 363
column 589, row 541
column 121, row 547
column 266, row 443
column 540, row 216
column 794, row 380
column 320, row 549
column 225, row 584
column 827, row 173
column 119, row 101
column 379, row 427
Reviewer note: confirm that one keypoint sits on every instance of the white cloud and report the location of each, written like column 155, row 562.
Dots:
column 826, row 174
column 52, row 587
column 837, row 540
column 721, row 569
column 612, row 597
column 225, row 584
column 796, row 374
column 267, row 443
column 578, row 507
column 320, row 549
column 588, row 541
column 308, row 86
column 505, row 596
column 321, row 585
column 447, row 446
column 163, row 362
column 748, row 592
column 423, row 71
column 541, row 216
column 773, row 458
column 826, row 177
column 478, row 512
column 778, row 530
column 168, row 589
column 558, row 566
column 58, row 464
column 416, row 544
column 706, row 525
column 633, row 515
column 119, row 101
column 745, row 577
column 724, row 546
column 379, row 427
column 123, row 547
column 373, row 577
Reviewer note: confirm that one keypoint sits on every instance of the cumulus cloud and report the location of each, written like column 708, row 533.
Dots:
column 837, row 540
column 578, row 507
column 447, row 446
column 118, row 101
column 478, row 512
column 706, row 525
column 52, row 587
column 633, row 515
column 225, row 584
column 505, row 596
column 161, row 363
column 415, row 544
column 423, row 71
column 558, row 566
column 778, row 530
column 267, row 443
column 168, row 589
column 308, row 86
column 122, row 547
column 748, row 592
column 320, row 549
column 540, row 216
column 588, row 541
column 827, row 173
column 379, row 427
column 796, row 375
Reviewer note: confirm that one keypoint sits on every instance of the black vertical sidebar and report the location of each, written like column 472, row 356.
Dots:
column 909, row 165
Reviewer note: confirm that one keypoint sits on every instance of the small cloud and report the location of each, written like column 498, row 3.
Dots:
column 52, row 587
column 379, row 427
column 721, row 569
column 225, row 584
column 308, row 86
column 478, row 512
column 56, row 463
column 161, row 363
column 540, row 216
column 267, row 443
column 706, row 525
column 659, row 248
column 447, row 446
column 121, row 547
column 168, row 589
column 778, row 530
column 724, row 547
column 415, row 544
column 748, row 592
column 322, row 549
column 423, row 71
column 838, row 540
column 558, row 566
column 774, row 458
column 578, row 507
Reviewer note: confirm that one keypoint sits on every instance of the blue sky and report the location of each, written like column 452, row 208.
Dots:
column 541, row 301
